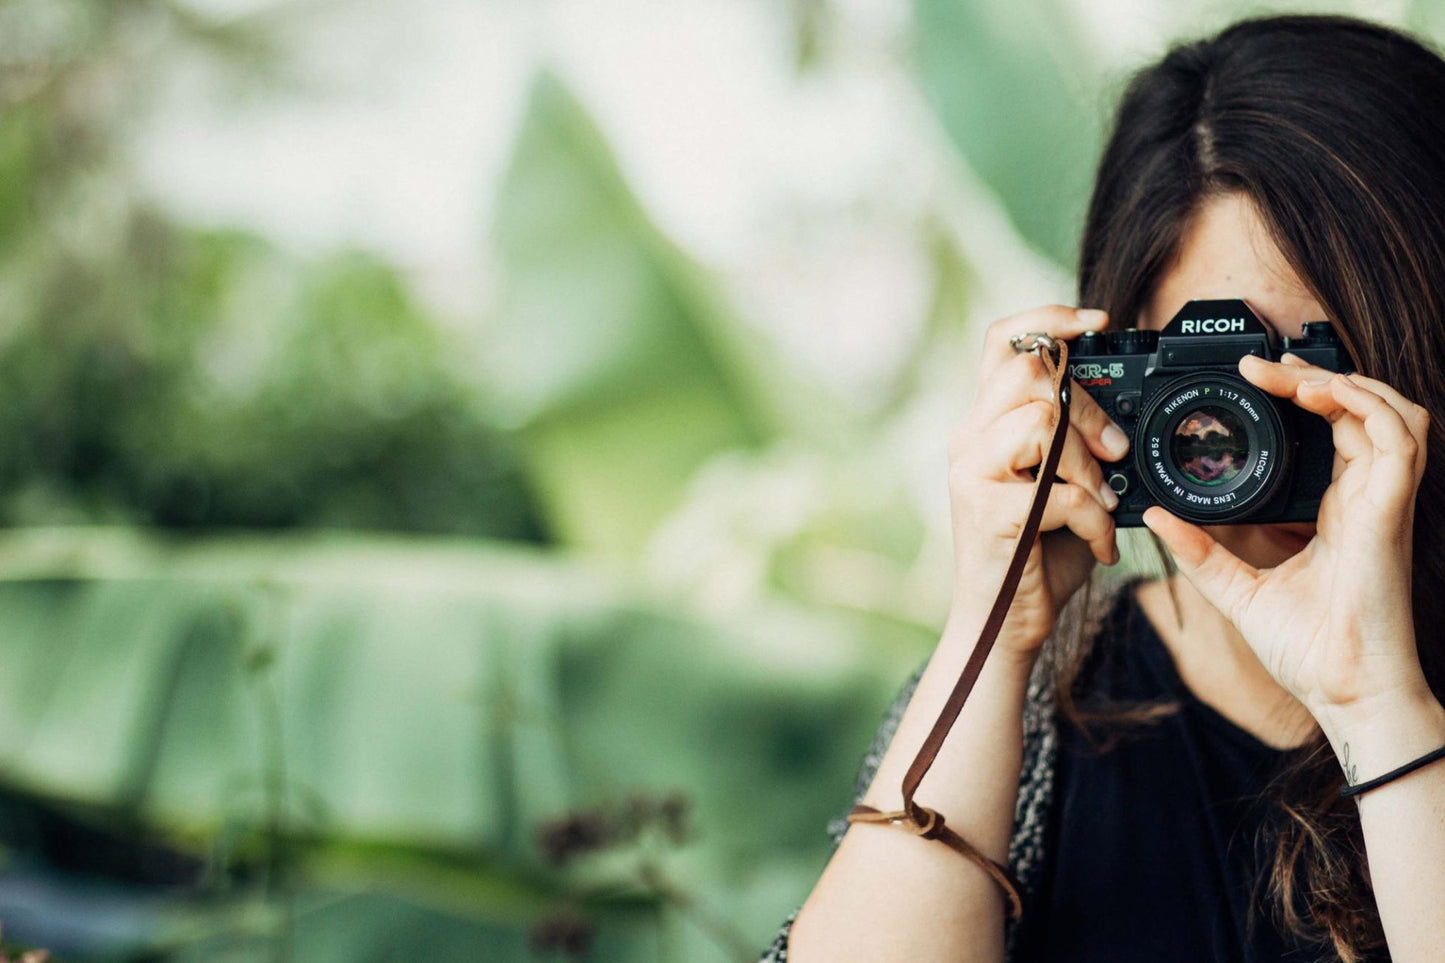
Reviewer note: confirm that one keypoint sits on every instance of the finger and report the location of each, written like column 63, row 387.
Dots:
column 1352, row 442
column 1068, row 506
column 1397, row 461
column 1105, row 439
column 1369, row 430
column 1386, row 430
column 1280, row 378
column 1417, row 417
column 1298, row 383
column 1021, row 378
column 1059, row 320
column 1019, row 440
column 1024, row 378
column 1224, row 579
column 1398, row 432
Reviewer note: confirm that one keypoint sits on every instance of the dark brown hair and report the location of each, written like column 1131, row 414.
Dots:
column 1332, row 127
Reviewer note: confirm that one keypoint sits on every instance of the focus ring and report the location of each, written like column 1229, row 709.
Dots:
column 1206, row 422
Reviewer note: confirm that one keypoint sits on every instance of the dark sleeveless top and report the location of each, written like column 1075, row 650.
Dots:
column 1150, row 851
column 1153, row 846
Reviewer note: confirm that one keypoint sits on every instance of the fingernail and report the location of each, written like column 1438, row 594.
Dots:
column 1319, row 379
column 1115, row 440
column 1093, row 317
column 1107, row 493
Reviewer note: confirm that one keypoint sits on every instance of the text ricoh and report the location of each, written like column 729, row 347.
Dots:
column 1211, row 325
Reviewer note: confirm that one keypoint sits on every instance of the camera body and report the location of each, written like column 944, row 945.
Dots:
column 1206, row 444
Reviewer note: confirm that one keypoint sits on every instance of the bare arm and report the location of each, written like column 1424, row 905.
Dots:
column 886, row 895
column 1403, row 820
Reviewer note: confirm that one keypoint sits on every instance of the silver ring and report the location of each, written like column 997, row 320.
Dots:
column 1039, row 339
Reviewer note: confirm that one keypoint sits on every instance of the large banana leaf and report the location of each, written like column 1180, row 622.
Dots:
column 613, row 352
column 406, row 711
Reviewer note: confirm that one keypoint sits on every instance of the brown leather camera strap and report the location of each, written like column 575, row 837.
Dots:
column 919, row 819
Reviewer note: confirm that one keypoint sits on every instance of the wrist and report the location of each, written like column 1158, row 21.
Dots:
column 1008, row 657
column 1375, row 736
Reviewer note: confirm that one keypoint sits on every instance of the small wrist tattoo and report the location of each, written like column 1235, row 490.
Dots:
column 1350, row 769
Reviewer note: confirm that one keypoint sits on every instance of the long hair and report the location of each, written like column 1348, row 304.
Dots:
column 1332, row 127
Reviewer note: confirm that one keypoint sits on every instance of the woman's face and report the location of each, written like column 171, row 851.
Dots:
column 1227, row 253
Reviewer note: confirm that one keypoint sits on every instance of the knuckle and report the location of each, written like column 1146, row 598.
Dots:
column 1091, row 426
column 1023, row 370
column 1041, row 413
column 1084, row 406
column 962, row 476
column 1014, row 378
column 1034, row 365
column 997, row 331
column 963, row 434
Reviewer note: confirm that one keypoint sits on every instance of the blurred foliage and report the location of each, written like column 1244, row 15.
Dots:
column 1016, row 88
column 624, row 372
column 263, row 748
column 160, row 375
column 292, row 722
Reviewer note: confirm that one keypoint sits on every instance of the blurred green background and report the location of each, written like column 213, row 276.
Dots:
column 474, row 473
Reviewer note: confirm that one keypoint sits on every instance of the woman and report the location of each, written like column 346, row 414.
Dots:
column 1175, row 794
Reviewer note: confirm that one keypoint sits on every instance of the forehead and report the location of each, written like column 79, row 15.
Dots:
column 1226, row 252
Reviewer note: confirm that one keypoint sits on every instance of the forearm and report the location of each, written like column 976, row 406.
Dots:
column 888, row 895
column 1404, row 819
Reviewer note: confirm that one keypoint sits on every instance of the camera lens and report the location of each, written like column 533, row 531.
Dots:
column 1210, row 446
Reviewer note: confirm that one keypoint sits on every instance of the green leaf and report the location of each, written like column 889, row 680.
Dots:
column 611, row 351
column 404, row 713
column 1016, row 87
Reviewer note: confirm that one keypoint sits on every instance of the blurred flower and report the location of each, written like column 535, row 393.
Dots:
column 584, row 831
column 565, row 931
column 572, row 835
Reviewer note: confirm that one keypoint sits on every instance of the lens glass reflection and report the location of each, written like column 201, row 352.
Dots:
column 1210, row 446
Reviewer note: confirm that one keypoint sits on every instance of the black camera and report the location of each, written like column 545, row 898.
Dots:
column 1205, row 443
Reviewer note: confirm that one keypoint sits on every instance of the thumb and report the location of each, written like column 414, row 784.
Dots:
column 1225, row 580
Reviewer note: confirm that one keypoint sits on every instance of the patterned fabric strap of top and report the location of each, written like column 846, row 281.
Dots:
column 921, row 820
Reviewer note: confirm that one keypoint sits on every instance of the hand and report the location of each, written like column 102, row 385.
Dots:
column 991, row 450
column 1333, row 623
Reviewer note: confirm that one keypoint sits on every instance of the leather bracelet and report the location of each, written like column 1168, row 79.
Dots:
column 932, row 827
column 1408, row 767
column 920, row 820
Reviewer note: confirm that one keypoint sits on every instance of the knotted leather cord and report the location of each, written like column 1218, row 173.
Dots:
column 921, row 820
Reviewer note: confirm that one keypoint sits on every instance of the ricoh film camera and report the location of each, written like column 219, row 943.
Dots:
column 1205, row 443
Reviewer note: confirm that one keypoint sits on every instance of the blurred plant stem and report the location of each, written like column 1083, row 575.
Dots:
column 267, row 638
column 687, row 904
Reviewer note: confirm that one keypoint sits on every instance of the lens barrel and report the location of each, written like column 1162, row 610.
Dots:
column 1211, row 447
